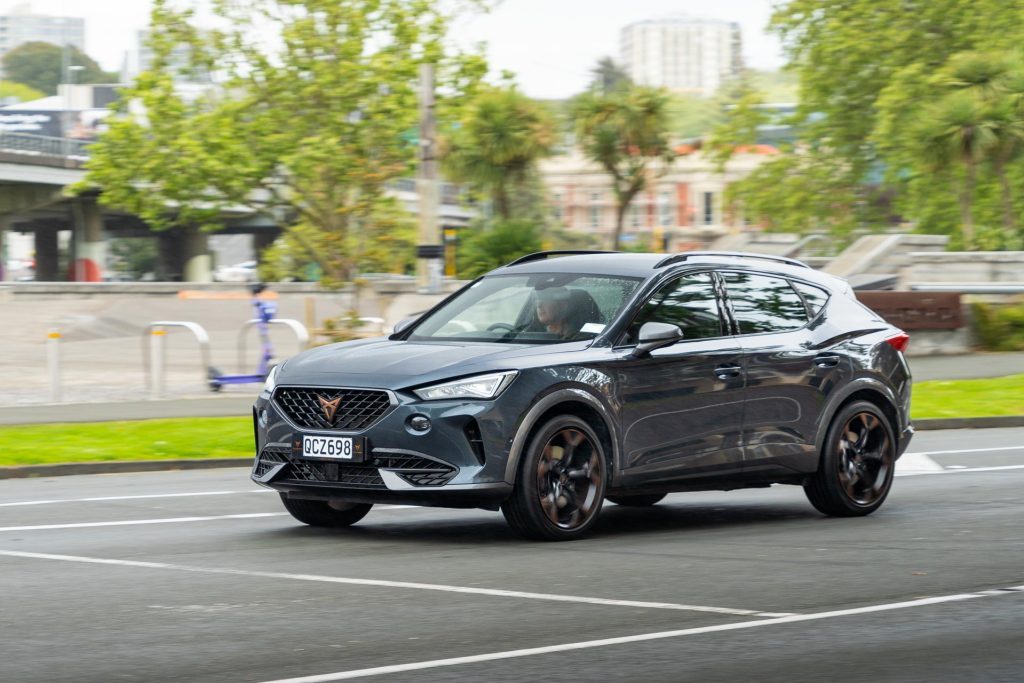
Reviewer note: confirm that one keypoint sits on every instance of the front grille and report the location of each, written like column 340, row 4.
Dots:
column 357, row 410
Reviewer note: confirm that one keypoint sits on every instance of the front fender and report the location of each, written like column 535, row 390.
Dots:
column 532, row 417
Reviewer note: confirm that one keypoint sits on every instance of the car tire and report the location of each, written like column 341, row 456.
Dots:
column 638, row 500
column 562, row 477
column 857, row 463
column 325, row 513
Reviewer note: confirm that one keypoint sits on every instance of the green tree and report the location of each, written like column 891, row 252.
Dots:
column 866, row 68
column 40, row 66
column 497, row 144
column 608, row 76
column 496, row 244
column 309, row 134
column 626, row 133
column 19, row 92
column 958, row 129
column 739, row 125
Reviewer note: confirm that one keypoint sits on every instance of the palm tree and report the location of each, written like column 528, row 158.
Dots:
column 626, row 132
column 997, row 80
column 958, row 129
column 500, row 139
column 609, row 76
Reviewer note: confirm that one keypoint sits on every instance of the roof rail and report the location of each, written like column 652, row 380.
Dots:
column 537, row 256
column 676, row 258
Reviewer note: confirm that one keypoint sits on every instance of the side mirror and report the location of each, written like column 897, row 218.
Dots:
column 404, row 324
column 654, row 336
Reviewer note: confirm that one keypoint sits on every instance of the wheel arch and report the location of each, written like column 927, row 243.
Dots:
column 861, row 389
column 566, row 401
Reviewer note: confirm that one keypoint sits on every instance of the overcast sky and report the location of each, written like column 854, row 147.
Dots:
column 549, row 44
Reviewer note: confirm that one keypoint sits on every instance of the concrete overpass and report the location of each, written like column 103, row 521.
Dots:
column 36, row 170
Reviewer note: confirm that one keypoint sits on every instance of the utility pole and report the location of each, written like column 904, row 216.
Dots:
column 430, row 250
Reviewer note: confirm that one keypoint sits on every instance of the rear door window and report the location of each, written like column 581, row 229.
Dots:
column 763, row 303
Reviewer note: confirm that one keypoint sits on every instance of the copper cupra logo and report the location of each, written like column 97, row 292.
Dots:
column 330, row 407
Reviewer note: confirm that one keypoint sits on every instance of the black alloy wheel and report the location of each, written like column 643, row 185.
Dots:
column 561, row 483
column 857, row 466
column 328, row 513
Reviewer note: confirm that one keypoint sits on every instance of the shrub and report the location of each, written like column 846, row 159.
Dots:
column 1000, row 328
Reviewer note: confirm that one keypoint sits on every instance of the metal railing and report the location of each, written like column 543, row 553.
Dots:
column 43, row 145
column 153, row 352
column 301, row 336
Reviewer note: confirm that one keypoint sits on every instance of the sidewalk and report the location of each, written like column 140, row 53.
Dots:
column 975, row 365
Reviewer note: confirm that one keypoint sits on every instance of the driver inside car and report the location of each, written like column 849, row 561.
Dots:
column 553, row 312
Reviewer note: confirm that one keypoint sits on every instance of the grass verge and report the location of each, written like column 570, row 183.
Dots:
column 968, row 397
column 200, row 437
column 227, row 437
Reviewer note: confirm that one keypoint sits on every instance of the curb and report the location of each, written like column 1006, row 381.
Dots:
column 116, row 467
column 970, row 422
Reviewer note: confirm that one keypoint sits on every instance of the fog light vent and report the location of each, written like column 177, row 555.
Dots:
column 476, row 442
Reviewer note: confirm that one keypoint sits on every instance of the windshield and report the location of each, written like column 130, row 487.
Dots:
column 544, row 308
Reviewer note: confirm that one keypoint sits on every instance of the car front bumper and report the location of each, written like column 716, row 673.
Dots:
column 460, row 461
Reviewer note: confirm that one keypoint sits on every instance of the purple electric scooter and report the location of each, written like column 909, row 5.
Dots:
column 265, row 311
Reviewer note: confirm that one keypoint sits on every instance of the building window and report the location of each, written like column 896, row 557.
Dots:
column 595, row 216
column 634, row 215
column 665, row 218
column 709, row 208
column 595, row 197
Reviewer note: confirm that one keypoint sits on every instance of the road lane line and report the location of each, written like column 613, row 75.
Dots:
column 961, row 470
column 624, row 640
column 971, row 450
column 147, row 496
column 492, row 592
column 132, row 522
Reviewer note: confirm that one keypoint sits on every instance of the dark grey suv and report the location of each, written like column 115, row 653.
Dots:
column 564, row 379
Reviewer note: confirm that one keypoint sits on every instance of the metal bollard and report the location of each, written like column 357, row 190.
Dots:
column 53, row 362
column 156, row 355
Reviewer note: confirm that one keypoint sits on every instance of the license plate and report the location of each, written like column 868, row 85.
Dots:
column 329, row 447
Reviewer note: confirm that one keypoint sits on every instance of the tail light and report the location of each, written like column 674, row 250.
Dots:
column 900, row 341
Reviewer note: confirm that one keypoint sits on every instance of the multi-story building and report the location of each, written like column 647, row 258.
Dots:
column 684, row 55
column 20, row 26
column 682, row 206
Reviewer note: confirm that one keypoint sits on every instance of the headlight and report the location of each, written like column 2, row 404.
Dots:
column 268, row 386
column 481, row 386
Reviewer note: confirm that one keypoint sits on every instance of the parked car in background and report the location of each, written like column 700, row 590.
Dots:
column 552, row 384
column 240, row 272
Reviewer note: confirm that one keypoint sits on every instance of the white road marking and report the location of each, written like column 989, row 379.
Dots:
column 971, row 450
column 962, row 470
column 606, row 642
column 138, row 497
column 493, row 592
column 917, row 462
column 131, row 522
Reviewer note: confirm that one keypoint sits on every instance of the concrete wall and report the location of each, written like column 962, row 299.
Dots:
column 964, row 268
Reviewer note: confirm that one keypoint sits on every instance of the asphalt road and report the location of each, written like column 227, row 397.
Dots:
column 200, row 576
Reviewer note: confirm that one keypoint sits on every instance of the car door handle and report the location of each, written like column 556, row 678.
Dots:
column 727, row 371
column 827, row 360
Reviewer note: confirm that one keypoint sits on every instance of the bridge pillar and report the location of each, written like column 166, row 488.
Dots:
column 47, row 254
column 263, row 239
column 198, row 262
column 90, row 249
